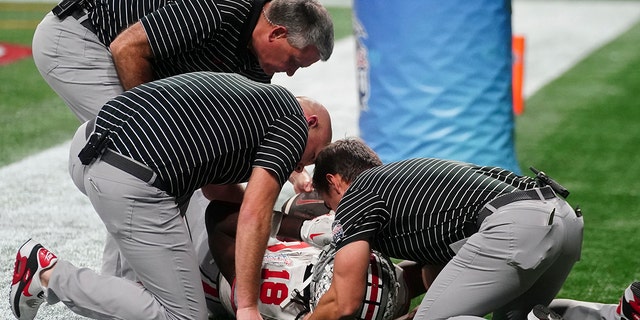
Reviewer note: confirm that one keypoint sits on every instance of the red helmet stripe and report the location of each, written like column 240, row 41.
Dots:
column 373, row 289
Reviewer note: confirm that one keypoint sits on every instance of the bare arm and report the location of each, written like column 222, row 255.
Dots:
column 346, row 292
column 132, row 56
column 254, row 225
column 228, row 192
column 429, row 274
column 414, row 273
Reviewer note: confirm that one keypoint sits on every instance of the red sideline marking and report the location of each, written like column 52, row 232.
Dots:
column 12, row 52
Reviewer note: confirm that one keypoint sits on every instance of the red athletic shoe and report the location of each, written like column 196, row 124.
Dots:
column 27, row 293
column 629, row 306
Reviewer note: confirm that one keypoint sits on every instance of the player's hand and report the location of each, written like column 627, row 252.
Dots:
column 248, row 314
column 301, row 181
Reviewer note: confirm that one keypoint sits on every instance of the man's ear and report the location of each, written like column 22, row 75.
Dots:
column 312, row 121
column 329, row 178
column 278, row 32
column 333, row 182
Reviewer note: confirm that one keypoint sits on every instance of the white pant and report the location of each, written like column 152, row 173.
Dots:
column 80, row 69
column 515, row 261
column 75, row 64
column 147, row 226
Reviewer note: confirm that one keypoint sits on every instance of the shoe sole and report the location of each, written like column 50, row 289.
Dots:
column 32, row 264
column 543, row 313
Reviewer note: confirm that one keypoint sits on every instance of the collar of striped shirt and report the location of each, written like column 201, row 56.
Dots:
column 250, row 24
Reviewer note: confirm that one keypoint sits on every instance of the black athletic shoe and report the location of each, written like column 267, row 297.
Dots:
column 541, row 312
column 27, row 293
column 629, row 306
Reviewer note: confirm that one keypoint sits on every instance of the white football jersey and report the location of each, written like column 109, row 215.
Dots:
column 287, row 267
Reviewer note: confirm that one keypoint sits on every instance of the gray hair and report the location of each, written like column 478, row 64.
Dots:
column 308, row 23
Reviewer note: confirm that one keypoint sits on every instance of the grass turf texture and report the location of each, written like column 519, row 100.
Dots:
column 581, row 129
column 33, row 117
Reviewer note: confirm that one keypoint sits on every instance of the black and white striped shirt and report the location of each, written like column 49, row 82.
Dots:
column 200, row 128
column 187, row 35
column 414, row 209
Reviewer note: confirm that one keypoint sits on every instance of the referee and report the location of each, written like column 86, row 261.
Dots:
column 500, row 242
column 151, row 148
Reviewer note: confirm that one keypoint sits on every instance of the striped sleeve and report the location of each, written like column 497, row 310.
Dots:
column 283, row 146
column 359, row 216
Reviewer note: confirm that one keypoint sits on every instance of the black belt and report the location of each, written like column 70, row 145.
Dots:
column 83, row 17
column 126, row 164
column 132, row 167
column 75, row 9
column 543, row 193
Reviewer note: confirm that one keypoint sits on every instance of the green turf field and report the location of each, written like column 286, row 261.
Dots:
column 33, row 117
column 581, row 129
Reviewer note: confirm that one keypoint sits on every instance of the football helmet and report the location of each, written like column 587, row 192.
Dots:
column 381, row 294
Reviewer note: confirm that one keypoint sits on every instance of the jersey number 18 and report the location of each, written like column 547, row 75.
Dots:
column 273, row 292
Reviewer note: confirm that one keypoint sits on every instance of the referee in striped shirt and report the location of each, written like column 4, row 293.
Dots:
column 489, row 240
column 152, row 147
column 89, row 51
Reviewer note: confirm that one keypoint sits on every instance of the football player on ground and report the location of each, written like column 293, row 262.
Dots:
column 295, row 272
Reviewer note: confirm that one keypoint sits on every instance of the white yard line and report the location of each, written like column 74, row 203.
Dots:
column 38, row 199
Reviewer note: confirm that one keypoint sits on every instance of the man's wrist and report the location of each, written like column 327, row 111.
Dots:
column 247, row 312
